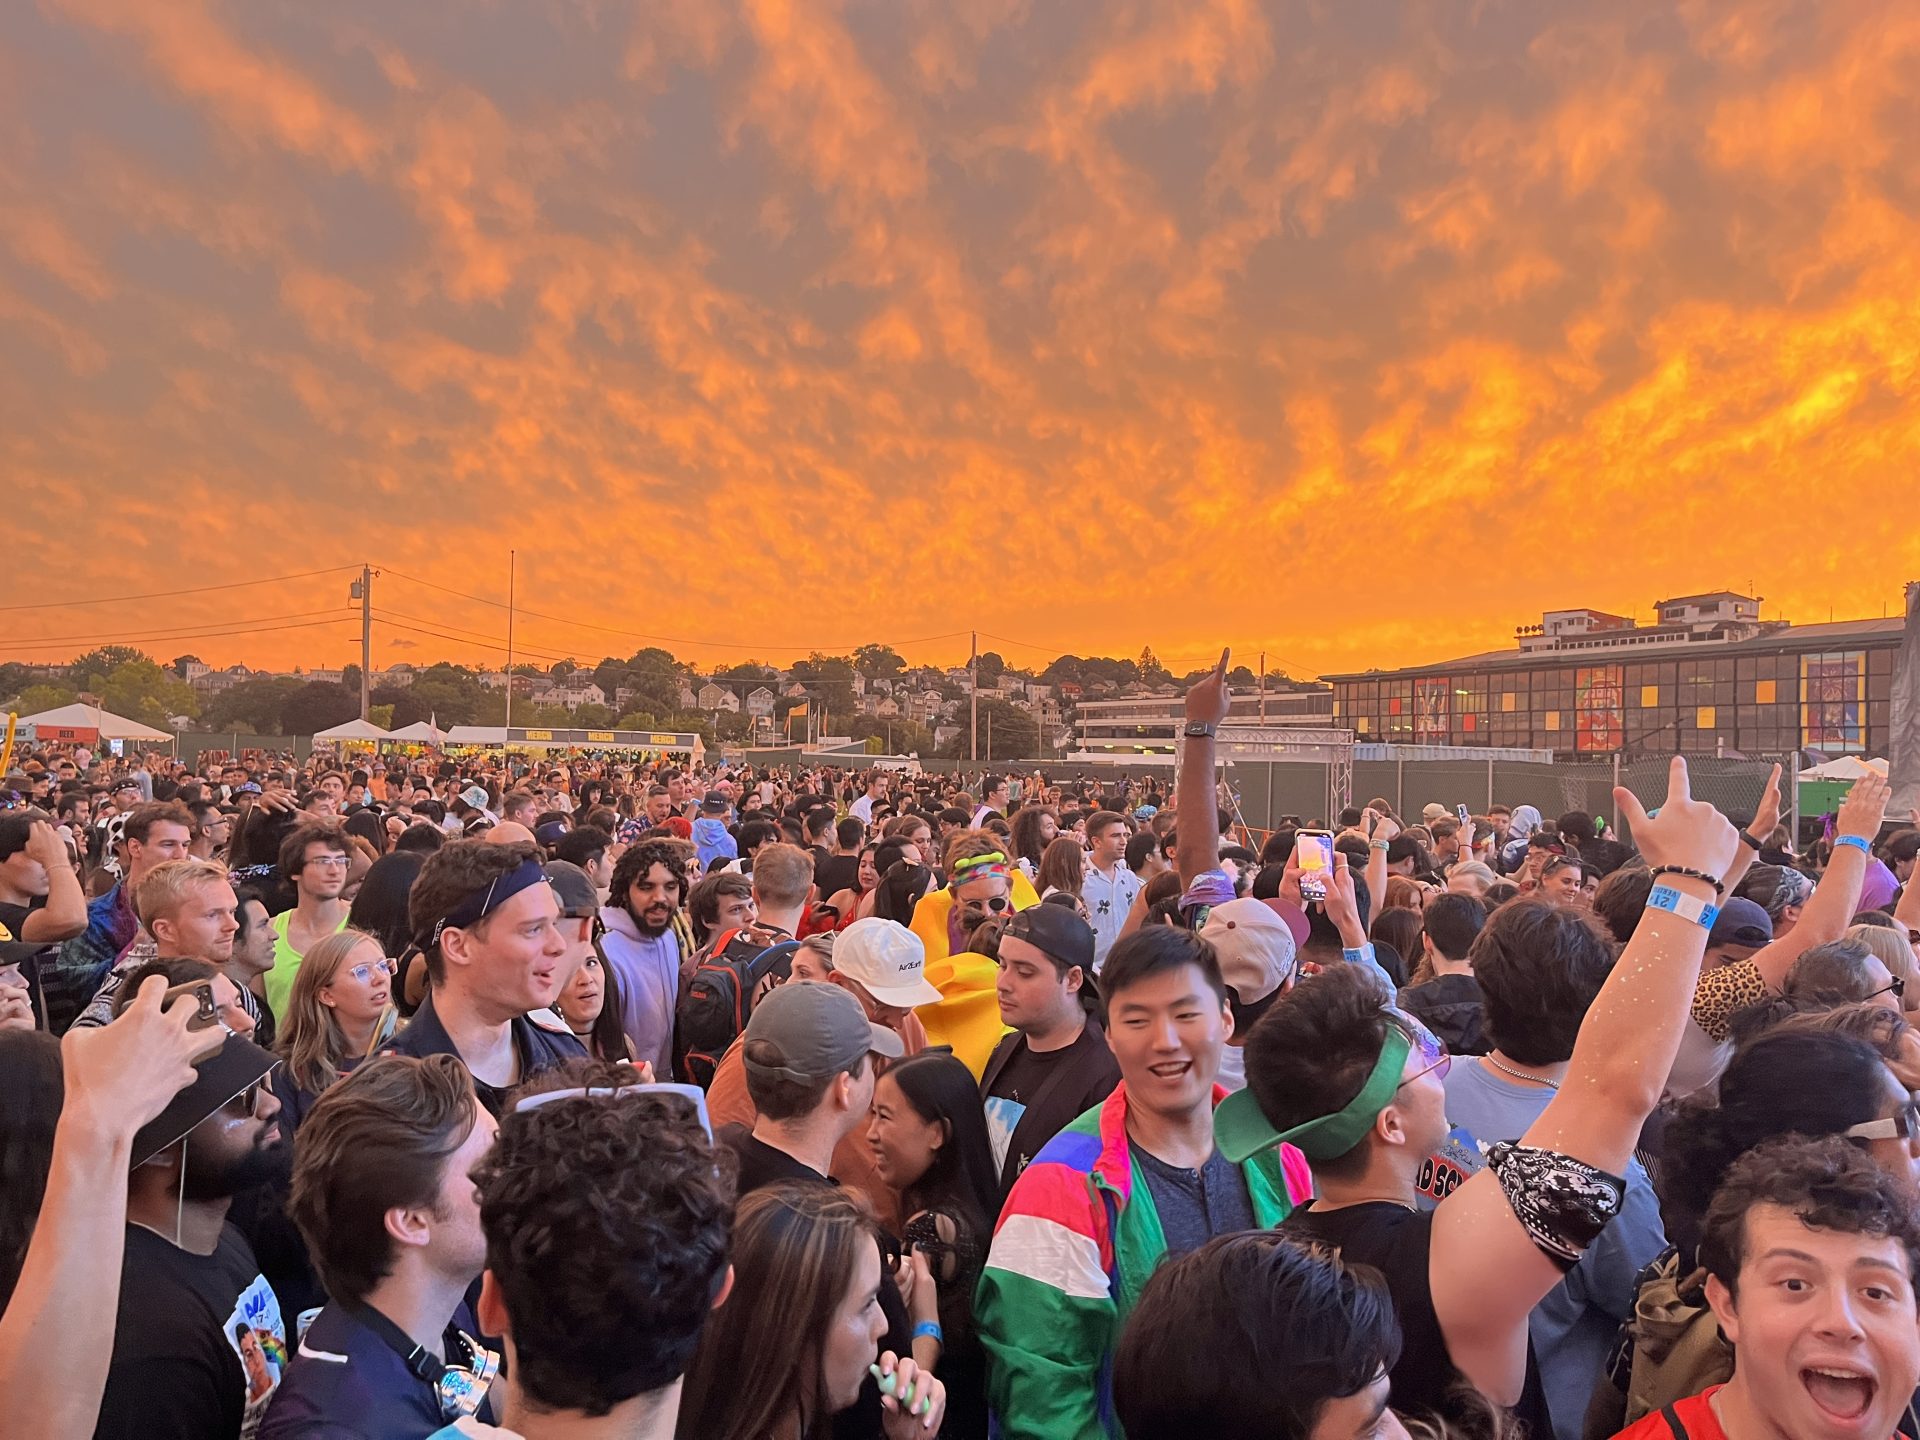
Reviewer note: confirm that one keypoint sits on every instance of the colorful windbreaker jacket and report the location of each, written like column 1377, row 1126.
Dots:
column 1077, row 1239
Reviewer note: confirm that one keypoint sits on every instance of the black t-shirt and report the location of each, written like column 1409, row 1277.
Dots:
column 760, row 1165
column 198, row 1344
column 1398, row 1243
column 14, row 917
column 1021, row 1118
column 835, row 873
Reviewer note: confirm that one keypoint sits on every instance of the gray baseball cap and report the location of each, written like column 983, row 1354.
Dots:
column 819, row 1030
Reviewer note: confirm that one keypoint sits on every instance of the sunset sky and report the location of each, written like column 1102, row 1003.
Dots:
column 1361, row 332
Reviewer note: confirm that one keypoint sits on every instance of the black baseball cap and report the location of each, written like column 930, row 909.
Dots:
column 1056, row 932
column 217, row 1079
column 573, row 889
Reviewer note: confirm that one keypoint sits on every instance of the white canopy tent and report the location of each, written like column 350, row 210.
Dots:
column 422, row 732
column 103, row 723
column 352, row 730
column 1847, row 767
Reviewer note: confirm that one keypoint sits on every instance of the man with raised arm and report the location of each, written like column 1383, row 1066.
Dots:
column 1356, row 1085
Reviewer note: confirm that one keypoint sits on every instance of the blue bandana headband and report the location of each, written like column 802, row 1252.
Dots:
column 482, row 903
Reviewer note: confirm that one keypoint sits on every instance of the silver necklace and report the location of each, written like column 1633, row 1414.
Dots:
column 1530, row 1079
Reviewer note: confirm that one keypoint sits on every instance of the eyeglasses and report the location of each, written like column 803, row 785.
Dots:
column 364, row 971
column 326, row 862
column 1901, row 1126
column 1894, row 986
column 995, row 903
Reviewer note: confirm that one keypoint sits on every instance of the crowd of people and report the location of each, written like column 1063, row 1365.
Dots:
column 506, row 1095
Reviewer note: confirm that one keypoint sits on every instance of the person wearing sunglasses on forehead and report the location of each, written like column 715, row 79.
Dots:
column 314, row 859
column 982, row 885
column 1357, row 1087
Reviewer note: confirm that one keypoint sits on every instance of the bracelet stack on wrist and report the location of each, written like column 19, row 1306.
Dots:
column 1686, row 872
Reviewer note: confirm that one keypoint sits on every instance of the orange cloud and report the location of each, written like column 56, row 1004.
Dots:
column 786, row 324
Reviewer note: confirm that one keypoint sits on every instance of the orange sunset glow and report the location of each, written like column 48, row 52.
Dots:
column 1358, row 333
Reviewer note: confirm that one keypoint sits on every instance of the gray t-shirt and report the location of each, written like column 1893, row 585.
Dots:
column 1196, row 1205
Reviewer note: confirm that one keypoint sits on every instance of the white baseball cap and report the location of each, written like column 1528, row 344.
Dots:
column 887, row 959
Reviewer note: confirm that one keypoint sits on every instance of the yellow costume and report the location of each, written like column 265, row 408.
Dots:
column 967, row 1016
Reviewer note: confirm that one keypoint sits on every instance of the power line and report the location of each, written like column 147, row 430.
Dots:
column 457, row 640
column 195, row 632
column 522, row 610
column 167, row 594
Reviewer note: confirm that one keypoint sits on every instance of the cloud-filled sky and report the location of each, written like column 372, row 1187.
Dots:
column 1362, row 332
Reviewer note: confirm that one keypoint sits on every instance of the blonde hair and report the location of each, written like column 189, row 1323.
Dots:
column 1891, row 948
column 310, row 1039
column 164, row 889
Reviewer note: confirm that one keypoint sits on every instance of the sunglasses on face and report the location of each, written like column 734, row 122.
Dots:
column 242, row 1104
column 995, row 904
column 1434, row 1059
column 1901, row 1126
column 1894, row 986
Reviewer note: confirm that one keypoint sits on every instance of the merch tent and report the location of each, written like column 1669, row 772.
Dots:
column 86, row 725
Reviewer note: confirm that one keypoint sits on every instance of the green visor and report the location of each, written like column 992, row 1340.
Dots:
column 1242, row 1131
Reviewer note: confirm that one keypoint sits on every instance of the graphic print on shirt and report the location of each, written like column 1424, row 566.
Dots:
column 259, row 1339
column 1003, row 1118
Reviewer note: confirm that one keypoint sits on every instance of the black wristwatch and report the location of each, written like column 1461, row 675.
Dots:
column 1200, row 729
column 1749, row 841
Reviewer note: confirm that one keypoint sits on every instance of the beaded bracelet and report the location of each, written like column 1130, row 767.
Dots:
column 1719, row 890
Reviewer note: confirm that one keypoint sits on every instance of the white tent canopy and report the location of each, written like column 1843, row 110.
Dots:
column 91, row 717
column 420, row 730
column 353, row 730
column 1847, row 767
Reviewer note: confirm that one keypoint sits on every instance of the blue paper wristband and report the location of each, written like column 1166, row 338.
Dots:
column 1858, row 842
column 930, row 1328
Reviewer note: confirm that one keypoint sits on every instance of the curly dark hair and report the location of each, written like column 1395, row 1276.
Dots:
column 1788, row 1082
column 636, row 861
column 1828, row 1183
column 1328, row 1328
column 451, row 874
column 607, row 1221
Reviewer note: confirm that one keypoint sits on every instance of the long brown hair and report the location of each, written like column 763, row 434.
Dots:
column 1063, row 866
column 794, row 1249
column 310, row 1039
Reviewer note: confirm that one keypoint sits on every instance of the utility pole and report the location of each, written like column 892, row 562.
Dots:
column 509, row 724
column 1263, row 687
column 973, row 688
column 363, row 592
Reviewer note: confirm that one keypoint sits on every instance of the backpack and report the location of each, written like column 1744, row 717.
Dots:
column 1671, row 1348
column 717, row 998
